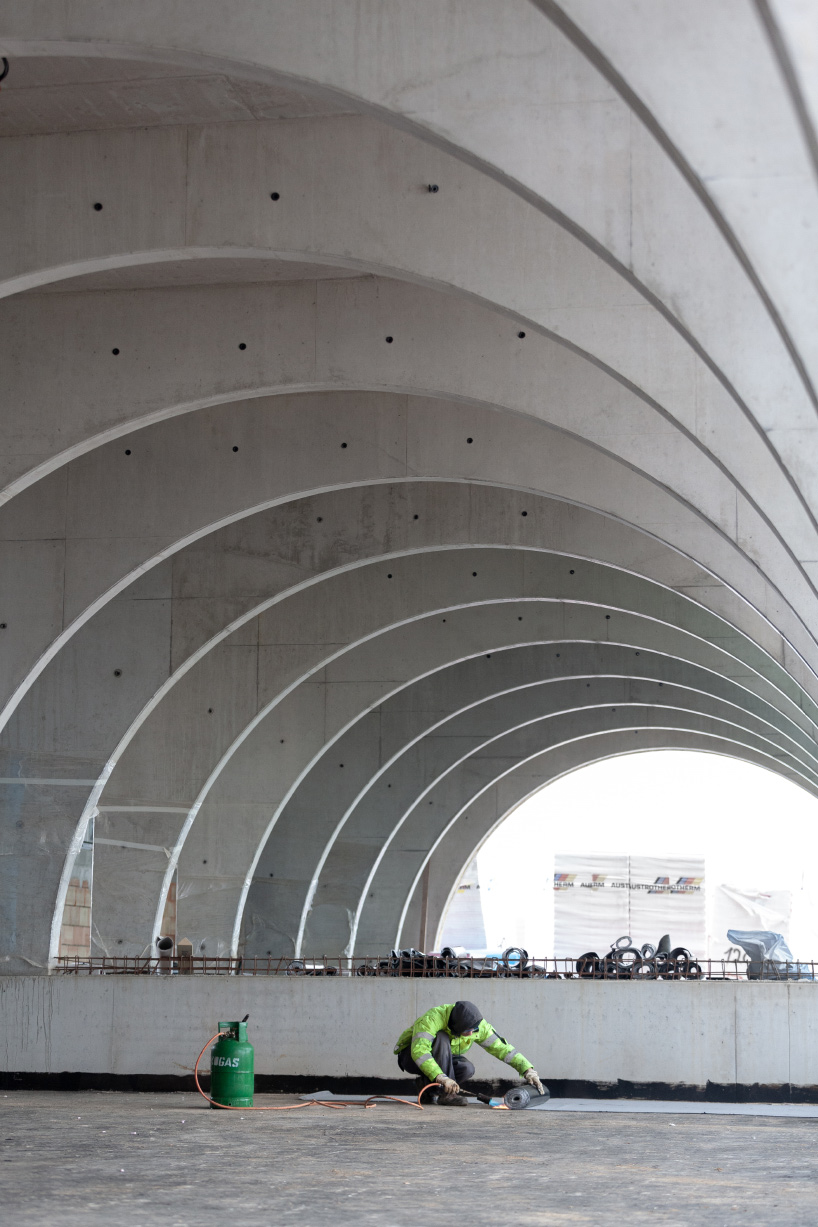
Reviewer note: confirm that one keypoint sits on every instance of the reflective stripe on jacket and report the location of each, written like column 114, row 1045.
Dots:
column 421, row 1036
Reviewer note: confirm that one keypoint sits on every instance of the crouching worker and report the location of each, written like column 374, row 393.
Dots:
column 434, row 1047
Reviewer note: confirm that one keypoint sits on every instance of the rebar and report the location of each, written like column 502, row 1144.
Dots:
column 626, row 964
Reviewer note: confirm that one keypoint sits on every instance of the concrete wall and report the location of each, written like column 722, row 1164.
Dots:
column 730, row 1036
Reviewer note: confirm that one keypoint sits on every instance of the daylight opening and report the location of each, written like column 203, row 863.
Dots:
column 671, row 841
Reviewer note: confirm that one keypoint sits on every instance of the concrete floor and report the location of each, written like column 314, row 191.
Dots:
column 114, row 1159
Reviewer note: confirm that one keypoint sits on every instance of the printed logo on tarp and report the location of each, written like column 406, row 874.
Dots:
column 687, row 885
column 661, row 885
column 597, row 881
column 563, row 881
column 682, row 886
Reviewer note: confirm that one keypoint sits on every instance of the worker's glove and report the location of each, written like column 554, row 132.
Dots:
column 533, row 1079
column 449, row 1085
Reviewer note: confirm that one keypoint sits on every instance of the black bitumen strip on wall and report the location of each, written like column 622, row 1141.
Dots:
column 561, row 1088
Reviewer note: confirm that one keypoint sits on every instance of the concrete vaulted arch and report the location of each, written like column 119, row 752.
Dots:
column 373, row 589
column 449, row 414
column 490, row 804
column 477, row 502
column 375, row 819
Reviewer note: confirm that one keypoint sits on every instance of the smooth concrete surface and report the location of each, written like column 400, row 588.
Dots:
column 696, row 1035
column 97, row 1159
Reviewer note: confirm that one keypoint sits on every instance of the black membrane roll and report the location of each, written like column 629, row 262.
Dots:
column 525, row 1097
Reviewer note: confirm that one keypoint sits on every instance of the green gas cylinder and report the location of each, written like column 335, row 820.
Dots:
column 231, row 1067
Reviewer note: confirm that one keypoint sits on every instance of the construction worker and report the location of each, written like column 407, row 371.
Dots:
column 435, row 1043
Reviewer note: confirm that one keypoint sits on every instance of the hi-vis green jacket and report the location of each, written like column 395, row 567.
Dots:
column 422, row 1033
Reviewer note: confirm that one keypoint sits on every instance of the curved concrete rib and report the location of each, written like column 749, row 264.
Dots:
column 546, row 86
column 415, row 641
column 76, row 570
column 462, row 838
column 166, row 618
column 146, row 781
column 457, row 791
column 426, row 725
column 377, row 219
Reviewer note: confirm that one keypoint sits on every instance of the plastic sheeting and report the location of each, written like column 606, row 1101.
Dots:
column 770, row 956
column 598, row 897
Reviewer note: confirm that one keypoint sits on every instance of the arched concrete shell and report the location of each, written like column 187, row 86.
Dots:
column 323, row 324
column 491, row 804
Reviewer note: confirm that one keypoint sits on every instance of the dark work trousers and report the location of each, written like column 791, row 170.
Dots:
column 456, row 1067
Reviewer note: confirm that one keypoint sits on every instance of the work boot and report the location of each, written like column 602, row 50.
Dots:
column 451, row 1101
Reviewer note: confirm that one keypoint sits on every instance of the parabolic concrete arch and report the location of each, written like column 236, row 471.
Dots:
column 424, row 913
column 351, row 320
column 412, row 575
column 151, row 784
column 419, row 641
column 468, row 734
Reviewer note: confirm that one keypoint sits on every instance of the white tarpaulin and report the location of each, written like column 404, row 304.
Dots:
column 735, row 908
column 598, row 898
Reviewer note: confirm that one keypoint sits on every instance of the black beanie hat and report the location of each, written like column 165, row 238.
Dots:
column 464, row 1017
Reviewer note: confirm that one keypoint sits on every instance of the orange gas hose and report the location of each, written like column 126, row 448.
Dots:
column 368, row 1103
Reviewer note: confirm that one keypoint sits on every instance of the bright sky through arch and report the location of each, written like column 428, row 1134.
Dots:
column 755, row 829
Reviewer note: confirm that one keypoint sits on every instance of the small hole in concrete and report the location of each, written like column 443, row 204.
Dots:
column 521, row 335
column 274, row 196
column 523, row 513
column 119, row 939
column 117, row 673
column 271, row 875
column 242, row 345
column 474, row 574
column 98, row 207
column 488, row 655
column 470, row 440
column 235, row 449
column 613, row 709
column 389, row 340
column 558, row 655
column 519, row 617
column 415, row 517
column 3, row 625
column 281, row 743
column 340, row 764
column 607, row 617
column 433, row 187
column 388, row 785
column 343, row 445
column 127, row 451
column 115, row 352
column 389, row 576
column 570, row 572
column 204, row 862
column 637, row 653
column 444, row 619
column 210, row 711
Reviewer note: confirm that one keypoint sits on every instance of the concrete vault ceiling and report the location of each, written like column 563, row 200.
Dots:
column 404, row 404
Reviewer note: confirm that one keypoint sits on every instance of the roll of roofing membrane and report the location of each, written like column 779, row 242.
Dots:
column 525, row 1097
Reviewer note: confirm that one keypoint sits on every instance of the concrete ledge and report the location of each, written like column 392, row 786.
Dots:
column 710, row 1041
